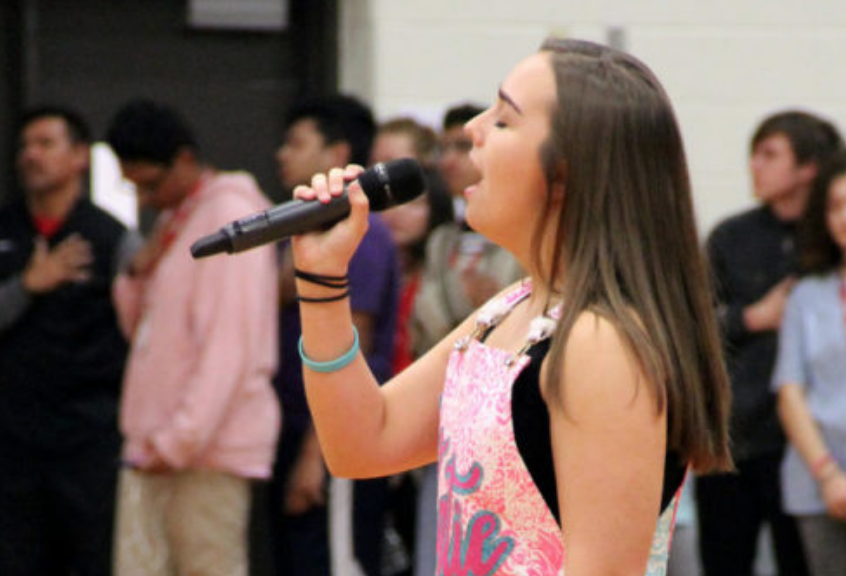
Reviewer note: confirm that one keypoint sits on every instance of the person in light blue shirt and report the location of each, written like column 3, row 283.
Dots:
column 810, row 377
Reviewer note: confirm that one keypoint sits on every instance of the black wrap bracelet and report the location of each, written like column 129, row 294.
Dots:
column 323, row 280
column 334, row 298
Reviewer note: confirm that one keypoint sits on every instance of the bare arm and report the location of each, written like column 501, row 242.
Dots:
column 738, row 319
column 364, row 430
column 804, row 434
column 608, row 444
column 305, row 488
column 766, row 313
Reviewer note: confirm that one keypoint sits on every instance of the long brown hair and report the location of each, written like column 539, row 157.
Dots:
column 626, row 237
column 818, row 252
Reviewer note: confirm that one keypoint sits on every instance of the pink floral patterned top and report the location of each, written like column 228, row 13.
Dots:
column 492, row 519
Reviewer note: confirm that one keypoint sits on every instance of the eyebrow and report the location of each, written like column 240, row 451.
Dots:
column 509, row 100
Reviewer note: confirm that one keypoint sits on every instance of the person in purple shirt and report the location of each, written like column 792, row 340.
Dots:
column 322, row 133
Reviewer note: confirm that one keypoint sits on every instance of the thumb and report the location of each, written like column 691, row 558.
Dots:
column 359, row 203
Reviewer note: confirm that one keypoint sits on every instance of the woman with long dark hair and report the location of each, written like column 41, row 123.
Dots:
column 566, row 411
column 810, row 377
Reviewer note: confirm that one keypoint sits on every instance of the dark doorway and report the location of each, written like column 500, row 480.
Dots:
column 233, row 86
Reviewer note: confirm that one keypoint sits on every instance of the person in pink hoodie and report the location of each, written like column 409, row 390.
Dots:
column 199, row 416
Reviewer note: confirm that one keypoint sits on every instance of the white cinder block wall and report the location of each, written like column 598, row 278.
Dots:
column 725, row 64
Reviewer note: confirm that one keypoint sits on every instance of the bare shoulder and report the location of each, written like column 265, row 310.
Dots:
column 608, row 443
column 600, row 374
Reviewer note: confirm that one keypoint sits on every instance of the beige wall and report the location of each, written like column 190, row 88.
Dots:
column 725, row 63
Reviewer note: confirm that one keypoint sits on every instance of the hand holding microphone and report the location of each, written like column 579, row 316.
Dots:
column 329, row 254
column 326, row 203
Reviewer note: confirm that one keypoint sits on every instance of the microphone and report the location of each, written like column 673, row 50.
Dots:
column 385, row 184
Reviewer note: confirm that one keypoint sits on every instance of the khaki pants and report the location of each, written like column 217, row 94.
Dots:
column 190, row 523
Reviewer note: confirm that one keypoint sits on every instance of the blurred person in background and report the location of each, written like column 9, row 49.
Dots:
column 405, row 137
column 410, row 224
column 810, row 377
column 198, row 414
column 61, row 358
column 320, row 133
column 754, row 260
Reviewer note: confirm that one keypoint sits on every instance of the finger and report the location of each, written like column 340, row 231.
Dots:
column 73, row 237
column 75, row 260
column 302, row 192
column 321, row 187
column 336, row 181
column 80, row 276
column 76, row 253
column 73, row 242
column 352, row 171
column 73, row 245
column 83, row 260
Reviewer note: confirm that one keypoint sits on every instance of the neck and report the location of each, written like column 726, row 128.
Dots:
column 789, row 208
column 55, row 204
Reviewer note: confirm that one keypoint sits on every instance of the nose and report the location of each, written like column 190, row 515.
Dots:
column 473, row 129
column 26, row 151
column 27, row 161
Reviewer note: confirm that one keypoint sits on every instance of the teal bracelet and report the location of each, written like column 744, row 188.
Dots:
column 332, row 365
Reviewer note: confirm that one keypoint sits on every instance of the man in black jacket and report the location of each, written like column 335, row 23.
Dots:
column 754, row 259
column 61, row 359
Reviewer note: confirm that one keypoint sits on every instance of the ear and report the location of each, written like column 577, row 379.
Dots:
column 808, row 172
column 82, row 156
column 185, row 156
column 558, row 186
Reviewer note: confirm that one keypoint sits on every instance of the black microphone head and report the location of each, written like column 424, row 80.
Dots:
column 212, row 244
column 390, row 183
